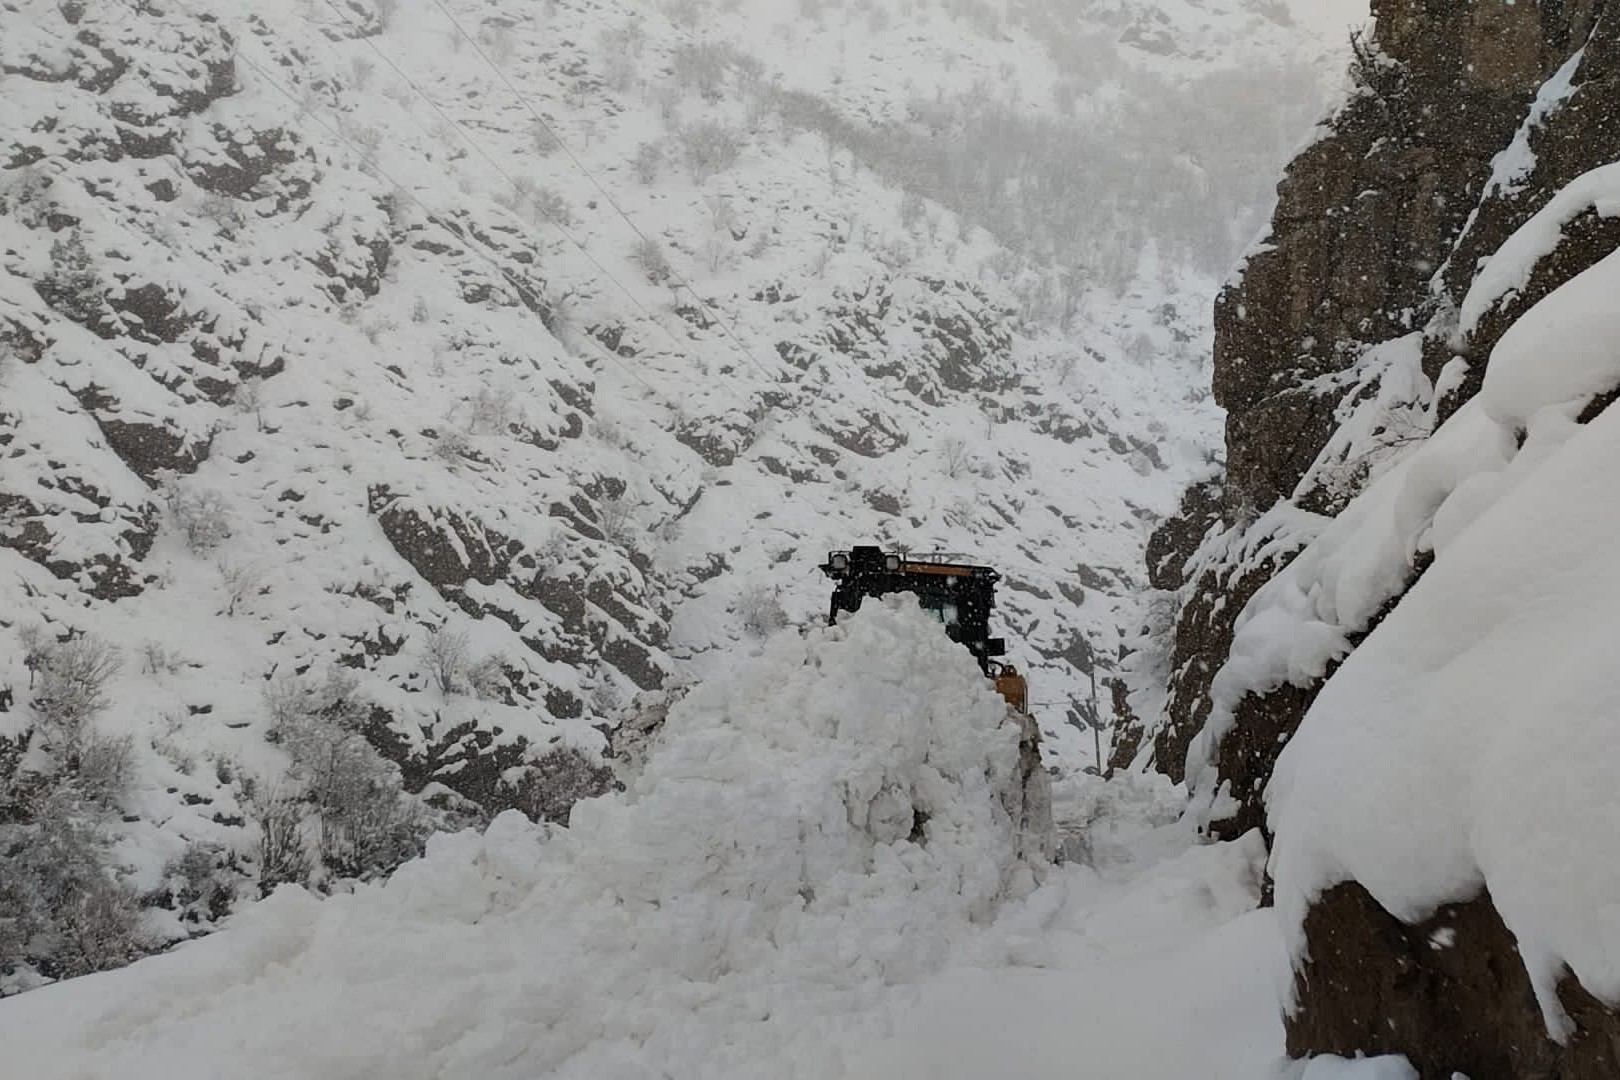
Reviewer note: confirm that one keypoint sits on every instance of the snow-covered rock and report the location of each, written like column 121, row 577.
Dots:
column 1394, row 670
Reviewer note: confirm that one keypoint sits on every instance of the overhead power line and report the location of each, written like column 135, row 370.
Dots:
column 517, row 188
column 681, row 280
column 370, row 159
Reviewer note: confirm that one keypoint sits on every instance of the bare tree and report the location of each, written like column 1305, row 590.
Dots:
column 447, row 657
column 73, row 688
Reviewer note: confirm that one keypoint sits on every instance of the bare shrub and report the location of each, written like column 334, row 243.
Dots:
column 452, row 447
column 701, row 67
column 284, row 857
column 557, row 781
column 60, row 910
column 222, row 212
column 487, row 678
column 158, row 660
column 543, row 139
column 24, row 192
column 492, row 411
column 541, row 203
column 37, row 644
column 709, row 148
column 248, row 397
column 201, row 516
column 913, row 209
column 614, row 518
column 362, row 822
column 619, row 71
column 685, row 13
column 193, row 881
column 648, row 161
column 240, row 581
column 375, row 328
column 104, row 770
column 953, row 454
column 373, row 834
column 73, row 688
column 72, row 285
column 760, row 611
column 650, row 257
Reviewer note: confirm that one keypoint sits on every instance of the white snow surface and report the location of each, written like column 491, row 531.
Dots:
column 1467, row 741
column 1564, row 349
column 752, row 904
column 1508, row 270
column 1332, row 1067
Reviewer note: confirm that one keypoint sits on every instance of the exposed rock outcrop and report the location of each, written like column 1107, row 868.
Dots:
column 1464, row 122
column 1378, row 227
column 1450, row 993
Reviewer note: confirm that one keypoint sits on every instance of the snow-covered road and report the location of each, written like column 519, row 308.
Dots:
column 754, row 905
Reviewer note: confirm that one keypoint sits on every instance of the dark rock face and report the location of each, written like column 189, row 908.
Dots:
column 450, row 549
column 1450, row 993
column 1216, row 596
column 1380, row 230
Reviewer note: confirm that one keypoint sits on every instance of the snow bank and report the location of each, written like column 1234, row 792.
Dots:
column 1564, row 349
column 1203, row 1007
column 1509, row 270
column 1470, row 740
column 754, row 892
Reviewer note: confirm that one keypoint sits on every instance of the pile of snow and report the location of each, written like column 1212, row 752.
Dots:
column 826, row 824
column 1565, row 349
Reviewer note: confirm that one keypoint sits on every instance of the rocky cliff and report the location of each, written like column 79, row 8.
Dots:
column 1452, row 192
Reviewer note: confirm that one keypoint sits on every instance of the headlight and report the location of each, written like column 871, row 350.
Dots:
column 891, row 563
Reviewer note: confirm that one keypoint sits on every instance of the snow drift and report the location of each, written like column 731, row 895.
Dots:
column 826, row 824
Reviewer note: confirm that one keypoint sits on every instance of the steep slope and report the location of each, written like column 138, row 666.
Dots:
column 1387, row 603
column 390, row 393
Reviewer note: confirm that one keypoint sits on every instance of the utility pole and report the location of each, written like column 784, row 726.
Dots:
column 1096, row 717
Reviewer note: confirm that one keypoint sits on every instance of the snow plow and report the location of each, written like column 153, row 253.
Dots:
column 960, row 595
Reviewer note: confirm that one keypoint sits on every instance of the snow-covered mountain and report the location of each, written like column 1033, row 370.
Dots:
column 391, row 394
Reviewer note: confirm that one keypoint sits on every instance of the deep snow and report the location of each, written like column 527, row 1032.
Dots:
column 753, row 904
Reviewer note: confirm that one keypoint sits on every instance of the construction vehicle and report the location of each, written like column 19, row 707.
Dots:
column 960, row 595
